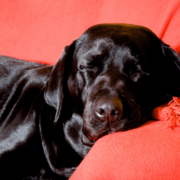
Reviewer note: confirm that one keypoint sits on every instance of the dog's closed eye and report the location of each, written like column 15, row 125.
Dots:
column 88, row 68
column 81, row 67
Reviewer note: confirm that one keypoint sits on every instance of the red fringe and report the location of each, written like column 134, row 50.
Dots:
column 169, row 112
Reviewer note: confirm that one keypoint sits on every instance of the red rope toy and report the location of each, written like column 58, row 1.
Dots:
column 169, row 112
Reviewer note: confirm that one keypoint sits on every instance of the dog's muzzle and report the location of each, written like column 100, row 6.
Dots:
column 108, row 109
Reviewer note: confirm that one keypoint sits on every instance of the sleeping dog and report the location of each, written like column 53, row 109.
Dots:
column 106, row 81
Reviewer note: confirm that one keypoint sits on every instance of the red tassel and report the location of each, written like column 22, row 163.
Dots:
column 169, row 112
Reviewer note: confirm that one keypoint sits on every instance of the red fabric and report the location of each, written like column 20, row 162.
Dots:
column 169, row 112
column 39, row 30
column 150, row 152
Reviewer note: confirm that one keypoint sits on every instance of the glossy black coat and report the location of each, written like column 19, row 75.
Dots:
column 50, row 116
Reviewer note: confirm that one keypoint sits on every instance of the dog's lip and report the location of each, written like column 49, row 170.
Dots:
column 93, row 137
column 87, row 141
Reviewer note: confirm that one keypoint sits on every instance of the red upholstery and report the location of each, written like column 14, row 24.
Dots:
column 39, row 30
column 150, row 152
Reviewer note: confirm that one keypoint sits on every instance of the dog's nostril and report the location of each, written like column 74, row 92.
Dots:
column 115, row 112
column 108, row 108
column 101, row 111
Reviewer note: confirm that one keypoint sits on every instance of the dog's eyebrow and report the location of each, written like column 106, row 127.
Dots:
column 92, row 58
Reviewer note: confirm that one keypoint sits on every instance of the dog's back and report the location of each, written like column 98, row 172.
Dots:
column 21, row 83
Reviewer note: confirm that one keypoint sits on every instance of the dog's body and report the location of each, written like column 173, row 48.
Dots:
column 106, row 81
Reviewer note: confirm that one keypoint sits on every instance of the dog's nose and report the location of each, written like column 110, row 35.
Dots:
column 108, row 109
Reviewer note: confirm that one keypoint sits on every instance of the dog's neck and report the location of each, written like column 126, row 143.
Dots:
column 77, row 140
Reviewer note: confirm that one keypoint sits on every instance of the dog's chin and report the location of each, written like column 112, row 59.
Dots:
column 86, row 141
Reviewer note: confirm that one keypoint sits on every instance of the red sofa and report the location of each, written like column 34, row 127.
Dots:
column 39, row 30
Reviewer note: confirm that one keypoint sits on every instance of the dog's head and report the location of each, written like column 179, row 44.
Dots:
column 114, row 75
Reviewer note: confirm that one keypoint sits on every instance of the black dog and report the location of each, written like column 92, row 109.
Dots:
column 106, row 81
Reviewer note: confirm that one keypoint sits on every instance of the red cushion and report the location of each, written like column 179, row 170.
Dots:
column 150, row 152
column 39, row 30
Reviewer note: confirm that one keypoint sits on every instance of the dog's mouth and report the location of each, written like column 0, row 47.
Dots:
column 89, row 139
column 109, row 114
column 85, row 140
column 90, row 135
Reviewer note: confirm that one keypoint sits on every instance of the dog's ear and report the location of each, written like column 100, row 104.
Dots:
column 171, row 69
column 54, row 94
column 171, row 55
column 52, row 136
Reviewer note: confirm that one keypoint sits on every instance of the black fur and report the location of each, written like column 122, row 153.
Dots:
column 106, row 81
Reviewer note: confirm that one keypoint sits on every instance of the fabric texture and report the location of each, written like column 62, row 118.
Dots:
column 150, row 152
column 169, row 112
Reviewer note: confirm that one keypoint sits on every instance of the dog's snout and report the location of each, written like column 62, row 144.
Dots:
column 108, row 109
